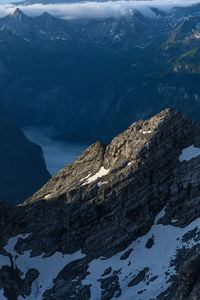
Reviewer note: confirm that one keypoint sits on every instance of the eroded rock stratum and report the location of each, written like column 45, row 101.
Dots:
column 122, row 221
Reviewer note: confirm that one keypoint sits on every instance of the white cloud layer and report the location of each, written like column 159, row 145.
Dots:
column 96, row 9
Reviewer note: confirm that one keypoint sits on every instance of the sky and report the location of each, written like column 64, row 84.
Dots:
column 94, row 9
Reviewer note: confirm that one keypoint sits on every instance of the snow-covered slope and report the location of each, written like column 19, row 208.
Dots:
column 144, row 269
column 48, row 267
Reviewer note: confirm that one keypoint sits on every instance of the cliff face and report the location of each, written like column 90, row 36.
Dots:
column 121, row 221
column 23, row 169
column 137, row 167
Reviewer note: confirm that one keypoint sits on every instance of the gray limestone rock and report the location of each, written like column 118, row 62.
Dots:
column 108, row 198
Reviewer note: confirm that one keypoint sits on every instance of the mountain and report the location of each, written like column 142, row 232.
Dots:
column 59, row 72
column 122, row 221
column 23, row 168
column 82, row 75
column 67, row 55
column 188, row 62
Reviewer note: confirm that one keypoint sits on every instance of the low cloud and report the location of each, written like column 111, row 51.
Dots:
column 96, row 9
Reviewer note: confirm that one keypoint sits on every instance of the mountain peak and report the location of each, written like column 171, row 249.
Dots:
column 46, row 15
column 113, row 198
column 17, row 13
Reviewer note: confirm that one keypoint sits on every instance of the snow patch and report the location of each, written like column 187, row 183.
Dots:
column 4, row 261
column 102, row 172
column 160, row 215
column 2, row 297
column 49, row 196
column 48, row 267
column 145, row 132
column 13, row 241
column 189, row 153
column 167, row 241
column 102, row 183
column 174, row 220
column 86, row 177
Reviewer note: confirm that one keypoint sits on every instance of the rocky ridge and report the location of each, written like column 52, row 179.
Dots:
column 111, row 204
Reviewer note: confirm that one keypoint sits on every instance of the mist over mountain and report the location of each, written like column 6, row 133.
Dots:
column 94, row 9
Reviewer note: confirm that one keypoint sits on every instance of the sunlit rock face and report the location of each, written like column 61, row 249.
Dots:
column 121, row 221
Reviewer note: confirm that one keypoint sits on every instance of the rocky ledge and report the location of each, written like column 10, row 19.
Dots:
column 122, row 221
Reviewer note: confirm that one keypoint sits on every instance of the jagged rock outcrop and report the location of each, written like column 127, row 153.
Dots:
column 189, row 277
column 23, row 168
column 115, row 210
column 105, row 204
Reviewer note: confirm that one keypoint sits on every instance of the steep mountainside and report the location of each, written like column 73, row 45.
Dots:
column 57, row 72
column 22, row 169
column 123, row 221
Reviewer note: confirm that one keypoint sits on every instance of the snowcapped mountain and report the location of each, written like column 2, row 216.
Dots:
column 120, row 222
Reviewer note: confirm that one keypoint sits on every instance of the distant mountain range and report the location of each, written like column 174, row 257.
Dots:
column 91, row 78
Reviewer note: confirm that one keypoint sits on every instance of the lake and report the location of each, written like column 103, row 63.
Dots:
column 57, row 154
